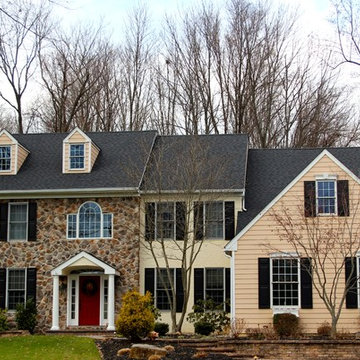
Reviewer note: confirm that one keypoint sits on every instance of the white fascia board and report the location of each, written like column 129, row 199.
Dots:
column 68, row 193
column 3, row 131
column 79, row 131
column 204, row 191
column 108, row 270
column 232, row 245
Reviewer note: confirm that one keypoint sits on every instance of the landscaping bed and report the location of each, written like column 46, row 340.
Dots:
column 110, row 347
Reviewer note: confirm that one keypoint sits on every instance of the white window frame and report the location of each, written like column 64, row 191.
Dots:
column 205, row 203
column 7, row 287
column 70, row 157
column 279, row 309
column 156, row 287
column 7, row 146
column 156, row 219
column 326, row 178
column 27, row 221
column 101, row 224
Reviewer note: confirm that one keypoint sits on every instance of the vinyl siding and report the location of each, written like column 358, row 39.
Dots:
column 262, row 239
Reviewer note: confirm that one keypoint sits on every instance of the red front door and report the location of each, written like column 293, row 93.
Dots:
column 89, row 300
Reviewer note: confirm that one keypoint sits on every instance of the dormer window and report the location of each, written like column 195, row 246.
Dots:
column 5, row 158
column 77, row 155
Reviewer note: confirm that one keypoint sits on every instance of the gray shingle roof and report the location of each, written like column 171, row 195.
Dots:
column 120, row 163
column 271, row 170
column 183, row 163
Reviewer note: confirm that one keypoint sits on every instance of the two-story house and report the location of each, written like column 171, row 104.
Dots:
column 73, row 213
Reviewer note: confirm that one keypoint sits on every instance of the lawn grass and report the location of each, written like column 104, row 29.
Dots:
column 49, row 347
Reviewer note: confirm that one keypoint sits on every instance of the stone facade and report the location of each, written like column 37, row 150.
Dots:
column 52, row 249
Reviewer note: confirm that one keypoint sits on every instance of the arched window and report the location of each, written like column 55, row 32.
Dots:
column 89, row 223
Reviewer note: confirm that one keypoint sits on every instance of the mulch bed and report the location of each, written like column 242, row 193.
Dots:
column 110, row 347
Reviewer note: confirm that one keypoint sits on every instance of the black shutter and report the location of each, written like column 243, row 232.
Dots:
column 3, row 221
column 149, row 221
column 31, row 284
column 306, row 283
column 229, row 220
column 2, row 288
column 180, row 220
column 179, row 291
column 198, row 285
column 351, row 276
column 343, row 197
column 150, row 281
column 264, row 283
column 227, row 289
column 199, row 220
column 32, row 221
column 309, row 198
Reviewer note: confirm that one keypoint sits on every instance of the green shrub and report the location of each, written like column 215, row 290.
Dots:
column 203, row 327
column 208, row 312
column 286, row 325
column 324, row 329
column 4, row 325
column 161, row 328
column 136, row 318
column 26, row 316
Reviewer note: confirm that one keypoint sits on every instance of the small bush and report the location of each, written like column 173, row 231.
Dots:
column 324, row 329
column 204, row 328
column 286, row 325
column 161, row 328
column 4, row 325
column 136, row 318
column 208, row 312
column 237, row 327
column 255, row 333
column 26, row 316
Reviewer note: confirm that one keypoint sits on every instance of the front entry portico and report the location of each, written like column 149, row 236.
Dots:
column 90, row 292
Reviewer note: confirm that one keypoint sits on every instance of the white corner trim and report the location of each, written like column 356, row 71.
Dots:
column 232, row 245
column 108, row 270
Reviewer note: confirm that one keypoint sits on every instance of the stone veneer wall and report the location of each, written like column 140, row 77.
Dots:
column 52, row 249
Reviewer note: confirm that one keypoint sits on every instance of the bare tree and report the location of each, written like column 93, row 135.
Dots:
column 23, row 27
column 180, row 177
column 332, row 244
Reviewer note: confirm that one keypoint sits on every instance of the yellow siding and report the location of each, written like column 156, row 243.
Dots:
column 94, row 154
column 22, row 155
column 5, row 140
column 262, row 239
column 76, row 137
column 211, row 253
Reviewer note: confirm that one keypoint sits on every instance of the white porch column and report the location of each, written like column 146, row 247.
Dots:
column 55, row 305
column 111, row 303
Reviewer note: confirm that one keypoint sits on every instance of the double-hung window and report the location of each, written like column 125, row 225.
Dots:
column 18, row 221
column 165, row 220
column 5, row 158
column 163, row 288
column 326, row 203
column 77, row 156
column 215, row 285
column 16, row 288
column 89, row 222
column 285, row 282
column 214, row 220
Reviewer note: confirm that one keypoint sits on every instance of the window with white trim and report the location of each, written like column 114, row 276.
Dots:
column 285, row 281
column 89, row 223
column 214, row 220
column 326, row 203
column 18, row 221
column 16, row 288
column 77, row 156
column 5, row 158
